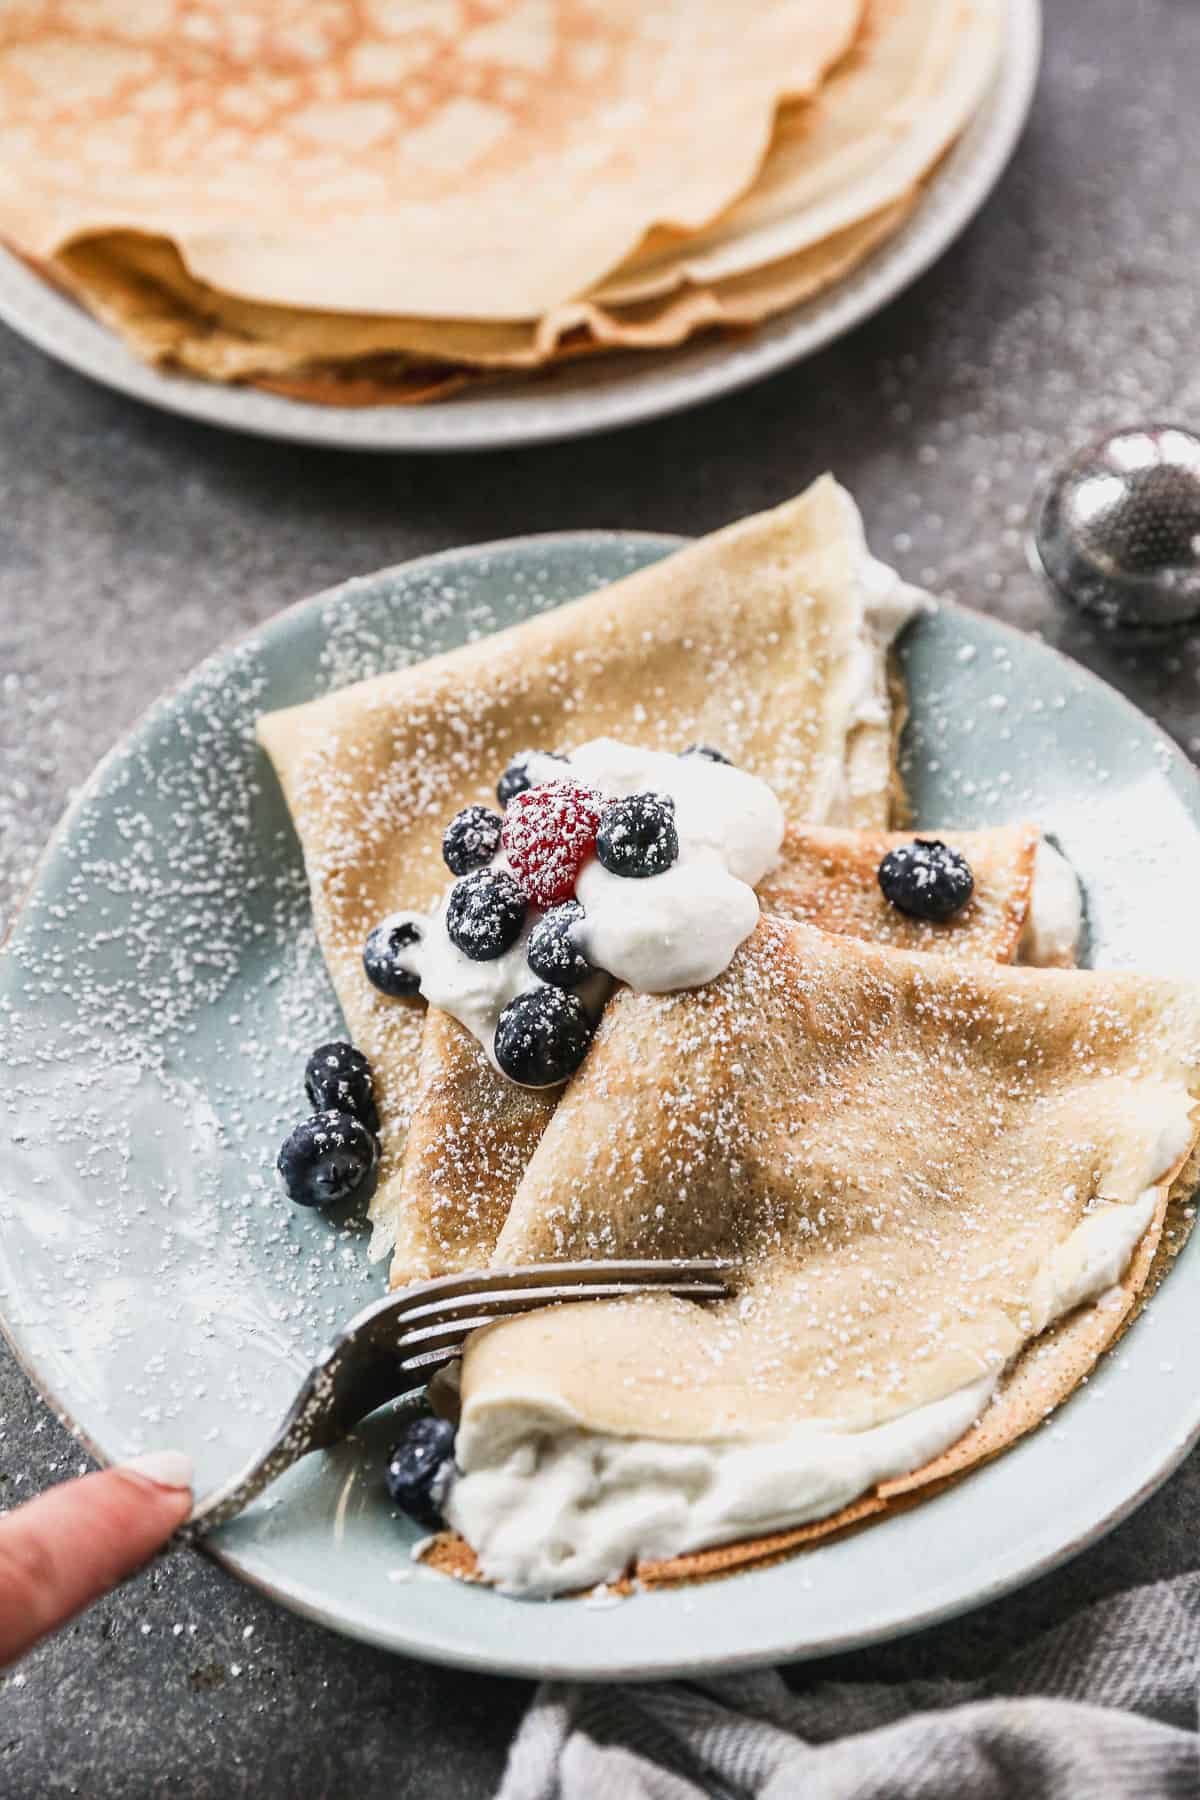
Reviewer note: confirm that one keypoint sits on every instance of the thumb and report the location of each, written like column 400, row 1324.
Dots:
column 63, row 1550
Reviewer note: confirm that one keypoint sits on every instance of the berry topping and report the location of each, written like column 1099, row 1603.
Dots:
column 552, row 952
column 517, row 779
column 484, row 914
column 637, row 836
column 326, row 1159
column 337, row 1078
column 541, row 1037
column 549, row 833
column 420, row 1470
column 471, row 839
column 388, row 958
column 926, row 879
column 707, row 752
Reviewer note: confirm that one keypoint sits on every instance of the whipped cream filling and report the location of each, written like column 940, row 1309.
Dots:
column 568, row 1507
column 883, row 604
column 551, row 1507
column 1054, row 922
column 675, row 930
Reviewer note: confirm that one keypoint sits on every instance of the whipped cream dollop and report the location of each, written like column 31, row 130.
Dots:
column 551, row 1507
column 677, row 929
column 681, row 928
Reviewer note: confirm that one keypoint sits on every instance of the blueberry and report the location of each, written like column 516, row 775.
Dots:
column 541, row 1037
column 420, row 1470
column 926, row 879
column 471, row 839
column 552, row 951
column 387, row 955
column 485, row 913
column 637, row 836
column 516, row 778
column 337, row 1078
column 708, row 753
column 327, row 1159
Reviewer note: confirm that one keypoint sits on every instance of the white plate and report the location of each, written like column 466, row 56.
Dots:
column 594, row 395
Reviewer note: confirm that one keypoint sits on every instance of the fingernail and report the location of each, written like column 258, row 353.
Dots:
column 165, row 1468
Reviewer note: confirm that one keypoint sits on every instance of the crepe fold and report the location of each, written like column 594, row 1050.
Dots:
column 472, row 1133
column 245, row 219
column 898, row 1148
column 767, row 637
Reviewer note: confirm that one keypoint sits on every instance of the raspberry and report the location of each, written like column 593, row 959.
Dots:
column 549, row 833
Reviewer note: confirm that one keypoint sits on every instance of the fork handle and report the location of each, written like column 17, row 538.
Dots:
column 334, row 1397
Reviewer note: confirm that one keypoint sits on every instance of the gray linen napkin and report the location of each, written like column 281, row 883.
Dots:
column 1104, row 1707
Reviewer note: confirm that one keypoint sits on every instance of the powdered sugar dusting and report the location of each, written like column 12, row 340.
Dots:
column 162, row 994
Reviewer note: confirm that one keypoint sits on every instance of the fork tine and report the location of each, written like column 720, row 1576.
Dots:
column 443, row 1296
column 446, row 1342
column 480, row 1310
column 511, row 1284
column 432, row 1360
column 450, row 1287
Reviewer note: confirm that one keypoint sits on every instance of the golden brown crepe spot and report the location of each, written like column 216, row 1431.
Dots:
column 448, row 1554
column 404, row 387
column 828, row 878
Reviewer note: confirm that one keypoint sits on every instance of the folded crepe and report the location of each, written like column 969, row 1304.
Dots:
column 472, row 1133
column 188, row 289
column 769, row 638
column 828, row 877
column 899, row 1150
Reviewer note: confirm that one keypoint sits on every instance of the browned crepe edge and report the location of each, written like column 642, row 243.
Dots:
column 1030, row 1391
column 584, row 329
column 417, row 387
column 901, row 806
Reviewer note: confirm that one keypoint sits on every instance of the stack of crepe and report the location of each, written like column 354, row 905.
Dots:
column 892, row 1129
column 380, row 203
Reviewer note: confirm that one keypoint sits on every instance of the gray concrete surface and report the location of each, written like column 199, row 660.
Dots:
column 132, row 543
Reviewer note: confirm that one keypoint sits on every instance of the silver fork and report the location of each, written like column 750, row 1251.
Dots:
column 396, row 1344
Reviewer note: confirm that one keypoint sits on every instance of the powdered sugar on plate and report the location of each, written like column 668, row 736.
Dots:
column 162, row 992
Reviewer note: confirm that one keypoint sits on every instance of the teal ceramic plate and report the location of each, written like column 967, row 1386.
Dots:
column 158, row 999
